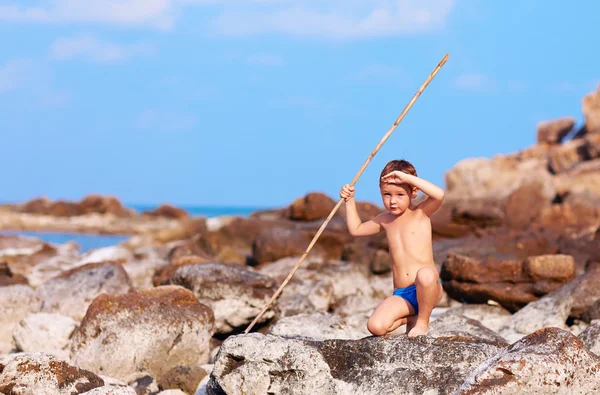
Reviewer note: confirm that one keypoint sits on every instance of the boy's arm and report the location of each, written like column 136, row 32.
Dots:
column 435, row 194
column 355, row 226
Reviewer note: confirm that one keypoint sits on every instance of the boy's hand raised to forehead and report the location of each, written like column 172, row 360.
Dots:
column 396, row 177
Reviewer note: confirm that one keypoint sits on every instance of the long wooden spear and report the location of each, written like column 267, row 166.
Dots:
column 356, row 177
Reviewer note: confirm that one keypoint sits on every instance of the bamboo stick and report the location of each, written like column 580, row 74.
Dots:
column 356, row 177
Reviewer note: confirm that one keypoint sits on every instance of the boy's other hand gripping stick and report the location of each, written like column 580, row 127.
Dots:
column 356, row 177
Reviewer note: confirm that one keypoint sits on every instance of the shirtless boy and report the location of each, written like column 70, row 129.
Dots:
column 417, row 288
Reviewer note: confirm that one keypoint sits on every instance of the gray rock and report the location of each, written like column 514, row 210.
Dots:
column 490, row 316
column 235, row 295
column 550, row 311
column 147, row 331
column 71, row 292
column 549, row 361
column 16, row 302
column 259, row 364
column 315, row 326
column 33, row 374
column 451, row 325
column 591, row 338
column 44, row 332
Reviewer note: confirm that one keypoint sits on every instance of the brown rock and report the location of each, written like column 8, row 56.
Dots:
column 565, row 156
column 310, row 207
column 161, row 277
column 64, row 209
column 477, row 213
column 276, row 243
column 8, row 278
column 511, row 283
column 381, row 262
column 150, row 331
column 443, row 226
column 561, row 218
column 554, row 131
column 185, row 378
column 167, row 211
column 591, row 111
column 104, row 205
column 45, row 374
column 587, row 293
column 36, row 206
column 525, row 205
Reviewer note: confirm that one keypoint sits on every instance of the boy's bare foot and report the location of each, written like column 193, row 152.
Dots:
column 420, row 329
column 411, row 321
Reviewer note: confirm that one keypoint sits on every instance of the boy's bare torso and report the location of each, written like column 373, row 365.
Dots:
column 410, row 244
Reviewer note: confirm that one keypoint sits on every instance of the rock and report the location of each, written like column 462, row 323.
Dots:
column 168, row 211
column 381, row 262
column 104, row 205
column 172, row 392
column 184, row 378
column 8, row 278
column 565, row 156
column 71, row 292
column 591, row 338
column 145, row 385
column 142, row 269
column 147, row 331
column 511, row 283
column 490, row 316
column 525, row 205
column 592, row 313
column 582, row 176
column 259, row 364
column 16, row 302
column 587, row 293
column 275, row 243
column 111, row 390
column 45, row 374
column 112, row 253
column 235, row 295
column 315, row 326
column 23, row 254
column 477, row 213
column 548, row 361
column 66, row 257
column 308, row 291
column 550, row 311
column 310, row 207
column 43, row 332
column 591, row 111
column 451, row 325
column 554, row 131
column 495, row 179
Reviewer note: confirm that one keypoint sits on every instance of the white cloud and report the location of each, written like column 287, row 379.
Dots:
column 312, row 18
column 263, row 59
column 93, row 49
column 376, row 71
column 474, row 82
column 13, row 74
column 165, row 121
column 339, row 19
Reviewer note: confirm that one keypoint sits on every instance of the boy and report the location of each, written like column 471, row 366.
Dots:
column 417, row 288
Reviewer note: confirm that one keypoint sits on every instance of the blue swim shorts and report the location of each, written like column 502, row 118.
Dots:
column 410, row 295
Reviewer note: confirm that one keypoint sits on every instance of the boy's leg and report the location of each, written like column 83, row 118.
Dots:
column 429, row 293
column 389, row 315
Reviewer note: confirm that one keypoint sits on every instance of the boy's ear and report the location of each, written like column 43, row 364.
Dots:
column 415, row 193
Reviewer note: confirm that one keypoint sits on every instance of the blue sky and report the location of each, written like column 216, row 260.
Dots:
column 255, row 103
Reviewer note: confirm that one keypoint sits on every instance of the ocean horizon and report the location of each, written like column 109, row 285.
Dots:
column 90, row 242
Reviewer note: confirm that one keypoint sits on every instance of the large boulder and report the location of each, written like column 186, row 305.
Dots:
column 587, row 292
column 591, row 338
column 315, row 326
column 168, row 211
column 147, row 331
column 451, row 325
column 549, row 361
column 43, row 332
column 235, row 295
column 72, row 292
column 259, row 364
column 511, row 283
column 311, row 207
column 32, row 374
column 554, row 131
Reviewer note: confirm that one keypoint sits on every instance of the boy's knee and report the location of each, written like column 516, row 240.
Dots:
column 376, row 328
column 427, row 276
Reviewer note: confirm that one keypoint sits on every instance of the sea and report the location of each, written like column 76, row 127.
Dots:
column 90, row 242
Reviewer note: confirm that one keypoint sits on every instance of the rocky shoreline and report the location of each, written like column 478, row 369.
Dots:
column 517, row 243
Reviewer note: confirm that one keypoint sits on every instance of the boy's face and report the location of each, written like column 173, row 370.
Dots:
column 396, row 197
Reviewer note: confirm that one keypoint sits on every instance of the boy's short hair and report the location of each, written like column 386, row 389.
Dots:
column 398, row 165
